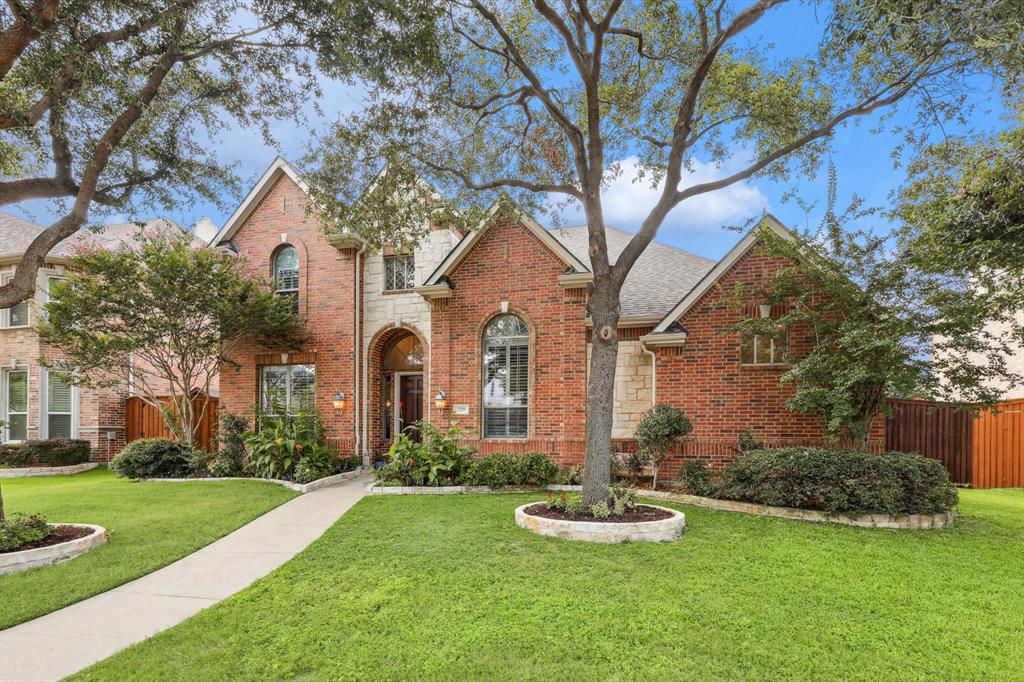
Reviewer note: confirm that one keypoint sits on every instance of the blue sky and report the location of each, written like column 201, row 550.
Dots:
column 861, row 158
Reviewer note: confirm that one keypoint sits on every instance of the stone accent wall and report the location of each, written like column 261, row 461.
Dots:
column 99, row 411
column 327, row 290
column 633, row 386
column 509, row 267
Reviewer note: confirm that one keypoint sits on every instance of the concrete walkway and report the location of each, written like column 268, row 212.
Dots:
column 66, row 641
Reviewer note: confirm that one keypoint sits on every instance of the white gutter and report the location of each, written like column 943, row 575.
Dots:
column 357, row 400
column 654, row 373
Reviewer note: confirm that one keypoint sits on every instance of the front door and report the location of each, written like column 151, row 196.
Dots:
column 410, row 396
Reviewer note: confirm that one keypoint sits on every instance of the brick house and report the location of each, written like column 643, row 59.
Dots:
column 34, row 404
column 489, row 329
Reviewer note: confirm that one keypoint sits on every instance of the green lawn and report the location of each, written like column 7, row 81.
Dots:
column 447, row 587
column 149, row 524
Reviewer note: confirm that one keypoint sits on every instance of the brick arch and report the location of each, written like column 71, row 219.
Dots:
column 530, row 370
column 379, row 344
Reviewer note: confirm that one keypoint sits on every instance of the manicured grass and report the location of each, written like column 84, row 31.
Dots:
column 150, row 525
column 447, row 587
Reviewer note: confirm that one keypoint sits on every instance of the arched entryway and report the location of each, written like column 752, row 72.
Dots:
column 398, row 382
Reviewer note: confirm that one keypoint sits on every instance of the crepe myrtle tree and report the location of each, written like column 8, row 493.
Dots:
column 164, row 318
column 113, row 106
column 544, row 101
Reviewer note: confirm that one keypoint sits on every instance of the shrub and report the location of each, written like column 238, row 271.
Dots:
column 660, row 429
column 621, row 498
column 20, row 530
column 696, row 479
column 154, row 458
column 570, row 476
column 748, row 441
column 56, row 452
column 276, row 448
column 508, row 468
column 320, row 462
column 14, row 456
column 630, row 465
column 839, row 481
column 230, row 458
column 441, row 459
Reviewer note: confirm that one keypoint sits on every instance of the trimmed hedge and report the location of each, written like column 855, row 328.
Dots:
column 838, row 481
column 508, row 468
column 155, row 458
column 57, row 452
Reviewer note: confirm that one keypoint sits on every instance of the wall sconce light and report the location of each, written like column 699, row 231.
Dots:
column 441, row 400
column 340, row 400
column 765, row 309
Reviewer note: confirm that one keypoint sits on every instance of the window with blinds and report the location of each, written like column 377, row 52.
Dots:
column 286, row 275
column 506, row 377
column 58, row 408
column 17, row 314
column 287, row 389
column 399, row 272
column 15, row 405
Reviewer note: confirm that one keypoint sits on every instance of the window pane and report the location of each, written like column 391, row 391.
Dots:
column 274, row 392
column 17, row 392
column 59, row 426
column 17, row 426
column 303, row 381
column 59, row 398
column 495, row 375
column 506, row 377
column 399, row 273
column 747, row 349
column 18, row 315
column 286, row 268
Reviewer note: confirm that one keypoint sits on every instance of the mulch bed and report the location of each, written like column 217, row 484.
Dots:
column 58, row 535
column 640, row 513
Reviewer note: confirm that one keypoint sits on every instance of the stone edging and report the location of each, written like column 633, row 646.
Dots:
column 48, row 471
column 14, row 562
column 897, row 521
column 378, row 489
column 662, row 530
column 300, row 488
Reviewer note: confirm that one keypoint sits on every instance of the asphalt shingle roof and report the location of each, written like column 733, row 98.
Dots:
column 660, row 278
column 17, row 233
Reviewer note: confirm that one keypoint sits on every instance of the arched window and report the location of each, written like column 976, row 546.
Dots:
column 286, row 275
column 506, row 377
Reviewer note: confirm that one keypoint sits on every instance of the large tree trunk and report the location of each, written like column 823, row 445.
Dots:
column 604, row 312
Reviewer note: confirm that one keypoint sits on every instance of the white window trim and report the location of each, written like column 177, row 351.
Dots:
column 5, row 313
column 44, row 407
column 4, row 414
column 287, row 390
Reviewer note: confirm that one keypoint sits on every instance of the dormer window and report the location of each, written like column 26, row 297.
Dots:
column 286, row 275
column 399, row 272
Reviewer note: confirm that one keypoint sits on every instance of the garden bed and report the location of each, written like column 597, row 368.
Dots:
column 895, row 521
column 378, row 489
column 70, row 540
column 644, row 523
column 43, row 470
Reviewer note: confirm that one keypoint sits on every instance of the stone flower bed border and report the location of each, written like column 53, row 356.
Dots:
column 662, row 530
column 48, row 471
column 378, row 489
column 15, row 562
column 301, row 488
column 894, row 521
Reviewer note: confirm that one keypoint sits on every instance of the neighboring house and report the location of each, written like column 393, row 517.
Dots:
column 1011, row 390
column 33, row 403
column 489, row 329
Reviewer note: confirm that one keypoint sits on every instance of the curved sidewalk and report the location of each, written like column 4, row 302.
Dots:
column 66, row 641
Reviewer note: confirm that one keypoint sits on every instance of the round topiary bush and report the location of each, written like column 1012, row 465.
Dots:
column 154, row 458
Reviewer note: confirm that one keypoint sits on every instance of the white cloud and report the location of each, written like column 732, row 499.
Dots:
column 627, row 201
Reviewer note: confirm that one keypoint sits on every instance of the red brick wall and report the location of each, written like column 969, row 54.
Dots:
column 510, row 264
column 326, row 301
column 722, row 396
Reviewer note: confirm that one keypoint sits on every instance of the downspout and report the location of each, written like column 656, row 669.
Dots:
column 654, row 372
column 357, row 399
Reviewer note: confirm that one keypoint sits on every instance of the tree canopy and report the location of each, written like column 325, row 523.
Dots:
column 163, row 317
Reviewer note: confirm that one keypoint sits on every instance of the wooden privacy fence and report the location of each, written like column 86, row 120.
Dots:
column 985, row 452
column 142, row 420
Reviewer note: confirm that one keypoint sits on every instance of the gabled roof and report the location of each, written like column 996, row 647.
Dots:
column 278, row 168
column 466, row 244
column 769, row 222
column 659, row 278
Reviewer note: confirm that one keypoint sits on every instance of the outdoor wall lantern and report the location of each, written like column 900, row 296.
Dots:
column 441, row 400
column 340, row 400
